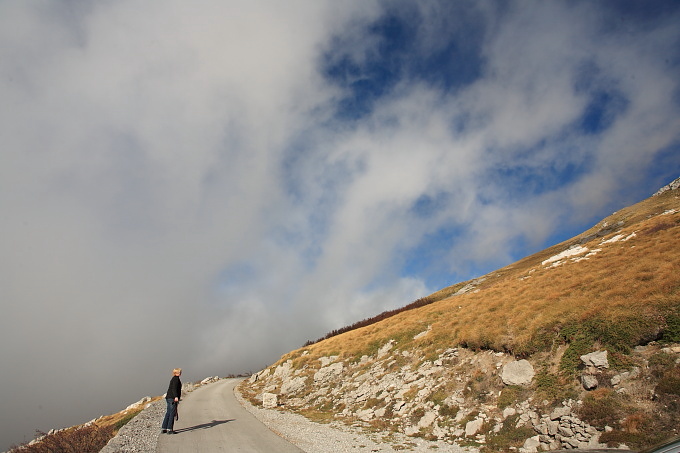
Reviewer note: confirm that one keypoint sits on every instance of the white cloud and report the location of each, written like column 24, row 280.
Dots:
column 176, row 190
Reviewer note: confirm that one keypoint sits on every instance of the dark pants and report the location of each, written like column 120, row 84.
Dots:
column 169, row 420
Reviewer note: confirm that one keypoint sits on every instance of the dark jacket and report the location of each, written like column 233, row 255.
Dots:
column 175, row 388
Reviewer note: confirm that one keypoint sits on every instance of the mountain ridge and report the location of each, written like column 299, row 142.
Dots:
column 613, row 289
column 599, row 230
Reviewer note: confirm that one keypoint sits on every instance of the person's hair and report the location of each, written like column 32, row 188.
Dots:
column 176, row 371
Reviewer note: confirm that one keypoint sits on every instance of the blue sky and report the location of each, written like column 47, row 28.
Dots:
column 210, row 184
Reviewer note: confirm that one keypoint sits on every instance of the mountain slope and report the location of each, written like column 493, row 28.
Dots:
column 437, row 371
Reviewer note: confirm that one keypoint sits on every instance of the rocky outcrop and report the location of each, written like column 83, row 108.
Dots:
column 594, row 364
column 454, row 397
column 589, row 382
column 144, row 401
column 209, row 380
column 519, row 372
column 451, row 398
column 328, row 372
column 674, row 185
column 269, row 400
column 561, row 428
column 597, row 359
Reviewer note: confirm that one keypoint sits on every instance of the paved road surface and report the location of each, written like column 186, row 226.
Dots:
column 212, row 420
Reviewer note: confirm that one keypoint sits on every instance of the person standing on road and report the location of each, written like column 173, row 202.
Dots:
column 172, row 397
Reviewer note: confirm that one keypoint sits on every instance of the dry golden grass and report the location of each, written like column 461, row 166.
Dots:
column 117, row 420
column 623, row 295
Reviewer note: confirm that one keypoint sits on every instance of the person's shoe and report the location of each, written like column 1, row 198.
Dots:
column 164, row 431
column 172, row 432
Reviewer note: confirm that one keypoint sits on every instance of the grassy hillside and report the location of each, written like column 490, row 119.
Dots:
column 614, row 287
column 622, row 291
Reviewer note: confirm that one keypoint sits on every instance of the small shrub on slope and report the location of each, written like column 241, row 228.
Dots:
column 601, row 408
column 617, row 335
column 672, row 332
column 508, row 437
column 670, row 383
column 87, row 439
column 510, row 395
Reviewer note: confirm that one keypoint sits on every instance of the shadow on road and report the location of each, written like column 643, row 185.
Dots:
column 204, row 425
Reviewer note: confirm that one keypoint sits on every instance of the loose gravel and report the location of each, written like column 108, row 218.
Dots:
column 140, row 435
column 337, row 437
